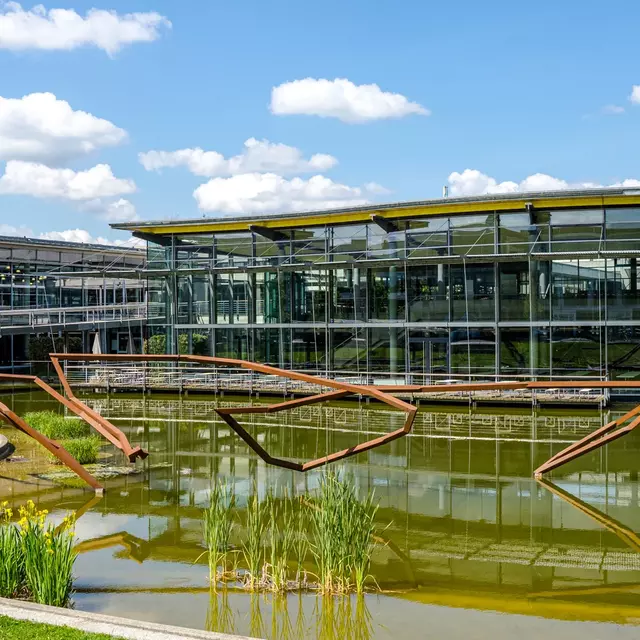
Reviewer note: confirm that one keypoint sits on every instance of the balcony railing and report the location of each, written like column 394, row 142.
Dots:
column 42, row 318
column 160, row 376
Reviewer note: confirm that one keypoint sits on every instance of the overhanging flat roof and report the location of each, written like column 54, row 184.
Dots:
column 512, row 202
column 62, row 245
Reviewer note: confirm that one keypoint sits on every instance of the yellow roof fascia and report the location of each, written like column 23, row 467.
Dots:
column 364, row 215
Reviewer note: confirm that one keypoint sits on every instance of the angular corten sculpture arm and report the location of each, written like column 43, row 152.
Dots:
column 100, row 424
column 598, row 438
column 51, row 445
column 341, row 389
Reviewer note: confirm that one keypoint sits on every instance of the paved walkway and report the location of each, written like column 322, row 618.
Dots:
column 97, row 623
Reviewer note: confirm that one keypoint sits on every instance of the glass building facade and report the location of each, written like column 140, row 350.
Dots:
column 534, row 285
column 70, row 291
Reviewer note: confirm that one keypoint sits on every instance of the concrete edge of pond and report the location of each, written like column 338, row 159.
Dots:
column 99, row 623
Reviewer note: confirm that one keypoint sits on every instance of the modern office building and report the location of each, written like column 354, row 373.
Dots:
column 68, row 295
column 538, row 284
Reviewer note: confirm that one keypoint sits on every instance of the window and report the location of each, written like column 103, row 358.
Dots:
column 472, row 235
column 514, row 291
column 622, row 229
column 428, row 293
column 349, row 294
column 578, row 289
column 386, row 294
column 473, row 292
column 516, row 233
column 577, row 230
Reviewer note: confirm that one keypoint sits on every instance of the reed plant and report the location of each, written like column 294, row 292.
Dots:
column 56, row 426
column 218, row 524
column 363, row 540
column 343, row 528
column 282, row 539
column 253, row 549
column 301, row 543
column 11, row 557
column 336, row 528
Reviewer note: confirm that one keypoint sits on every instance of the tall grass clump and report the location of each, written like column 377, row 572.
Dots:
column 11, row 558
column 252, row 549
column 218, row 523
column 343, row 528
column 56, row 426
column 84, row 450
column 37, row 557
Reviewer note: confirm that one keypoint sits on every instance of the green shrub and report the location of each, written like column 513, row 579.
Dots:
column 56, row 426
column 200, row 344
column 39, row 347
column 156, row 345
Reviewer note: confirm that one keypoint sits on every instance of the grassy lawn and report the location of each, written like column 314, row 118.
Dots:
column 18, row 630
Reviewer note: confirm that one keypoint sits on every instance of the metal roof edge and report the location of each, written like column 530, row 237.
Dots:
column 455, row 205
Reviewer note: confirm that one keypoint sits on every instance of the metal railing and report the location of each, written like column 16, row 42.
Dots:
column 185, row 377
column 35, row 318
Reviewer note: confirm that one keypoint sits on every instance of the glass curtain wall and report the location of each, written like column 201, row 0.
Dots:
column 510, row 294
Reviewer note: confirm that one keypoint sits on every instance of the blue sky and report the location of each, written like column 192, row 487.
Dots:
column 514, row 89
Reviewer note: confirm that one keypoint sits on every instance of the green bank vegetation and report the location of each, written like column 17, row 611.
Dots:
column 73, row 434
column 11, row 629
column 323, row 543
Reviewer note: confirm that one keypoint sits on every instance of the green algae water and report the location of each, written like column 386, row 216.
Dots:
column 471, row 546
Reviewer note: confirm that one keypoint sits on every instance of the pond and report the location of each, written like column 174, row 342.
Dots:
column 466, row 532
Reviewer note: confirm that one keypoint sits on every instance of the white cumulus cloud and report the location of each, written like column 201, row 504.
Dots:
column 120, row 210
column 40, row 127
column 635, row 94
column 40, row 181
column 82, row 235
column 269, row 193
column 342, row 99
column 73, row 235
column 472, row 182
column 259, row 156
column 65, row 29
column 11, row 230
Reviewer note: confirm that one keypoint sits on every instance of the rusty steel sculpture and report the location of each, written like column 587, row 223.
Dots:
column 341, row 389
column 51, row 445
column 92, row 418
column 337, row 390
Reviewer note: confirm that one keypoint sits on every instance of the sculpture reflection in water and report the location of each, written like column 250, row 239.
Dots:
column 622, row 531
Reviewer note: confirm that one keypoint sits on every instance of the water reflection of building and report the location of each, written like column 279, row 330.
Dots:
column 467, row 524
column 461, row 513
column 535, row 285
